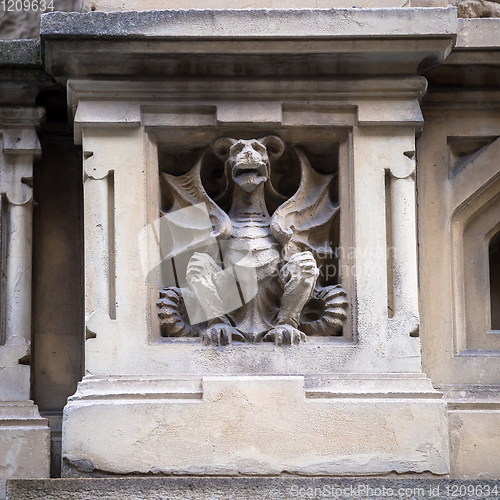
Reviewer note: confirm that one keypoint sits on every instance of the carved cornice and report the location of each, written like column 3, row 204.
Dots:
column 250, row 42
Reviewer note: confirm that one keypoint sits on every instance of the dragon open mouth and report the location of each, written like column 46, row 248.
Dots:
column 245, row 169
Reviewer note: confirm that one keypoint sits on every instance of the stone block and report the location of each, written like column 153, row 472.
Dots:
column 478, row 33
column 215, row 41
column 255, row 425
column 259, row 23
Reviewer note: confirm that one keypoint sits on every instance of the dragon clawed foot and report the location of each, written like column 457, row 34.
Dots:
column 285, row 335
column 220, row 334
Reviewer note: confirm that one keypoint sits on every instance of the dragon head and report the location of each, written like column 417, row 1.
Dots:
column 249, row 160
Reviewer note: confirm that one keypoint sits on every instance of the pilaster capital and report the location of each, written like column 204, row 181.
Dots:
column 18, row 144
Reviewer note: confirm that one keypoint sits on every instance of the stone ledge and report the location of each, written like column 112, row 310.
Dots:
column 261, row 488
column 253, row 23
column 316, row 42
column 121, row 5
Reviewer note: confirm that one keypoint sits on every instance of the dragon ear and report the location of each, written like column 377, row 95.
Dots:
column 221, row 147
column 275, row 146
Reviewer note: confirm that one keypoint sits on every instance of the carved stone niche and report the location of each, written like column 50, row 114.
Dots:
column 216, row 208
column 250, row 241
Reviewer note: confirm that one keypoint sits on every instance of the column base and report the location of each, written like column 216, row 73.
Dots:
column 256, row 425
column 25, row 442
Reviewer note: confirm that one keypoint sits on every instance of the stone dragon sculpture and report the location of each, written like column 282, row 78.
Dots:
column 282, row 248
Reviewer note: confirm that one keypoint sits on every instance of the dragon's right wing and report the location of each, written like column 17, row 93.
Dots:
column 194, row 223
column 187, row 190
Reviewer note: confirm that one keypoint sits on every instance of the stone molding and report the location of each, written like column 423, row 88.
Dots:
column 370, row 102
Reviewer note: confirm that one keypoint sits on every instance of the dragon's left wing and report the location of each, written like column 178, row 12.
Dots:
column 304, row 221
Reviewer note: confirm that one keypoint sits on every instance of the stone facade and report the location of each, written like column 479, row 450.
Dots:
column 283, row 227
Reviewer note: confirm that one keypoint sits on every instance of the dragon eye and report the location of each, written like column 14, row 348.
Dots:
column 237, row 148
column 260, row 148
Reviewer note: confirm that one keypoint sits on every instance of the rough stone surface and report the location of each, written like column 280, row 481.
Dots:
column 474, row 442
column 270, row 488
column 117, row 5
column 255, row 23
column 256, row 425
column 24, row 53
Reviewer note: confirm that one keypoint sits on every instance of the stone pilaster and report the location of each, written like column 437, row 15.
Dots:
column 24, row 435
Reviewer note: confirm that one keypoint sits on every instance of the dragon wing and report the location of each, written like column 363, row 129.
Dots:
column 187, row 190
column 193, row 224
column 304, row 221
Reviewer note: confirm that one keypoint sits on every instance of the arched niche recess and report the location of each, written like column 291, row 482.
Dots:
column 477, row 271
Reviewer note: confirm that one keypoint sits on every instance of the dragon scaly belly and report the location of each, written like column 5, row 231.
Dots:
column 252, row 245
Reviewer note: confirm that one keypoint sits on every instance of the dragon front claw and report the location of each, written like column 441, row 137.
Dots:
column 285, row 335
